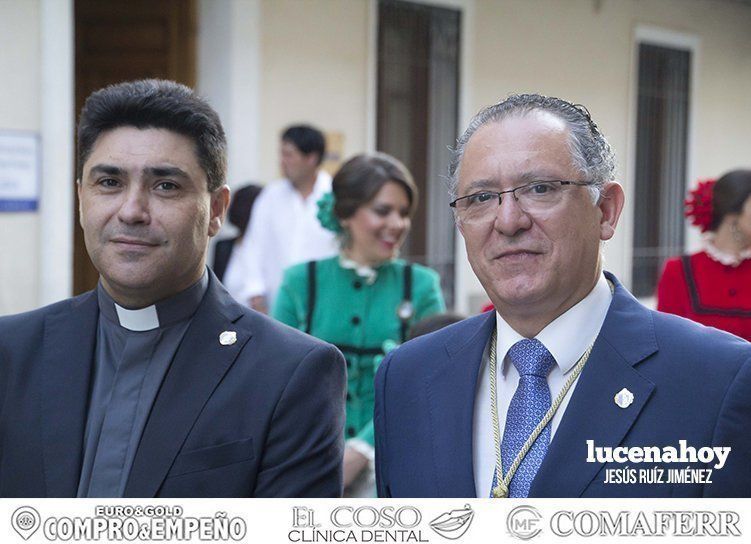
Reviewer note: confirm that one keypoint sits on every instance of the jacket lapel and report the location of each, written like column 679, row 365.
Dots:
column 451, row 400
column 199, row 365
column 67, row 360
column 626, row 338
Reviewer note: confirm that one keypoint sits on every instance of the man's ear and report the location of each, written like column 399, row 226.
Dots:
column 314, row 160
column 219, row 205
column 611, row 203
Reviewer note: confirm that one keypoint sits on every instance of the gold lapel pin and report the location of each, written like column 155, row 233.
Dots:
column 624, row 398
column 227, row 338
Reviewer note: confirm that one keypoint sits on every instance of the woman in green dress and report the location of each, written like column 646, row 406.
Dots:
column 363, row 300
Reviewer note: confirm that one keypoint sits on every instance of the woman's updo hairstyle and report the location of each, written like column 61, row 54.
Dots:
column 729, row 194
column 360, row 178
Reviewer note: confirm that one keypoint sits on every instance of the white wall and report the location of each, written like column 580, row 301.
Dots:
column 36, row 63
column 228, row 76
column 314, row 68
column 56, row 215
column 315, row 58
column 19, row 109
column 582, row 50
column 267, row 63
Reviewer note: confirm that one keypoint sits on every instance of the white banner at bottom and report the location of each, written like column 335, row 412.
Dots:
column 285, row 521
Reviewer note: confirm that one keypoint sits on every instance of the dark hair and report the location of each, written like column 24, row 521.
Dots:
column 307, row 139
column 361, row 177
column 156, row 103
column 241, row 205
column 590, row 151
column 729, row 194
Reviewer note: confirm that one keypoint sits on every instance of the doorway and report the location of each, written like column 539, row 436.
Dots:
column 121, row 40
column 417, row 118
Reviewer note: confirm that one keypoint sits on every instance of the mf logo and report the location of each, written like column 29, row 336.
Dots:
column 524, row 522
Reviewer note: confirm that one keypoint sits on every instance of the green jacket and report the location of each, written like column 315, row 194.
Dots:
column 350, row 313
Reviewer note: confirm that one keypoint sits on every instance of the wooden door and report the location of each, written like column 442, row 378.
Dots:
column 121, row 40
column 418, row 105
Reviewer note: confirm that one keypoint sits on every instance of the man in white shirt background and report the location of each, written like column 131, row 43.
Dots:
column 284, row 229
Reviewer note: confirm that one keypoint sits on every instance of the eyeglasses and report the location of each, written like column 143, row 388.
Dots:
column 534, row 197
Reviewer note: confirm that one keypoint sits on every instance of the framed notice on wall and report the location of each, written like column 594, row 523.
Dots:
column 19, row 171
column 334, row 152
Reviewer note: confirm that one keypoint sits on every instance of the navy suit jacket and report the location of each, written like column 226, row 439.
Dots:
column 262, row 417
column 689, row 383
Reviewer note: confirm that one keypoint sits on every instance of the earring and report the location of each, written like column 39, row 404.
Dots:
column 345, row 237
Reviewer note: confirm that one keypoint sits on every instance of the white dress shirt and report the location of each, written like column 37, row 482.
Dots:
column 566, row 338
column 283, row 231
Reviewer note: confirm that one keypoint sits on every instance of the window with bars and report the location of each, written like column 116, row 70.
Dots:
column 661, row 161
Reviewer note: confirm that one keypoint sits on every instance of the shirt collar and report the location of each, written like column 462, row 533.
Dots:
column 323, row 184
column 161, row 314
column 320, row 187
column 369, row 273
column 570, row 334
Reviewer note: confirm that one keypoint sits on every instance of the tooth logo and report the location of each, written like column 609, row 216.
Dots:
column 25, row 521
column 453, row 524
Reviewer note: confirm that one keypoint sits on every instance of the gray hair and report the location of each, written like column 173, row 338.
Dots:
column 590, row 151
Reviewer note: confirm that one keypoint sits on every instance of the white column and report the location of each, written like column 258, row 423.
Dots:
column 57, row 168
column 229, row 66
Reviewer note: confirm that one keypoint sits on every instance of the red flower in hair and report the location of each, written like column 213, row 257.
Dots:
column 699, row 204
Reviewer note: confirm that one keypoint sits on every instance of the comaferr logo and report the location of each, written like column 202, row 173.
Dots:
column 525, row 523
column 700, row 523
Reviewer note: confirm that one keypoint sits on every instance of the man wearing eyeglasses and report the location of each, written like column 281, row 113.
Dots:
column 571, row 387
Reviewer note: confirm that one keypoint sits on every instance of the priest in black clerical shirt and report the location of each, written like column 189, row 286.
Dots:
column 157, row 383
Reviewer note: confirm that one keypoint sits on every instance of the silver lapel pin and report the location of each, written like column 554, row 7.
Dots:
column 227, row 338
column 624, row 398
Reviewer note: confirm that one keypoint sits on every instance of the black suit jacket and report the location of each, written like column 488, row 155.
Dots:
column 262, row 417
column 222, row 253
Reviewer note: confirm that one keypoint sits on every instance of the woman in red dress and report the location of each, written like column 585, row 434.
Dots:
column 713, row 286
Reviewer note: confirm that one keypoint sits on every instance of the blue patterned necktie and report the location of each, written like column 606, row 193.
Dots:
column 530, row 403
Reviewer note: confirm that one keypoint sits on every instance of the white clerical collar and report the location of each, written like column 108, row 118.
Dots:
column 570, row 334
column 163, row 313
column 143, row 319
